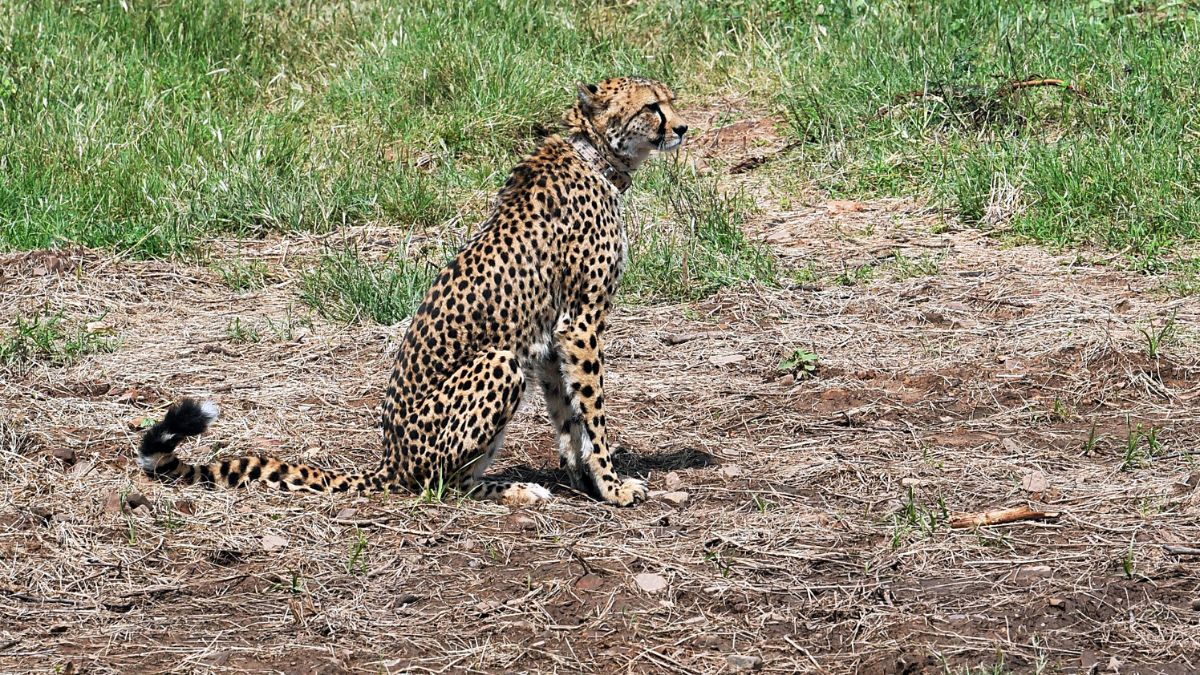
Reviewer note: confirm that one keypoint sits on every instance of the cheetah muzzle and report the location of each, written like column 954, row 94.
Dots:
column 528, row 296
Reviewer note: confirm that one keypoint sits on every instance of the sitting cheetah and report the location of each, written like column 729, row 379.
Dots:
column 530, row 293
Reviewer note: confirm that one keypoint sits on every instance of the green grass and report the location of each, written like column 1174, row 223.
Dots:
column 345, row 287
column 243, row 275
column 1117, row 167
column 690, row 243
column 145, row 127
column 45, row 337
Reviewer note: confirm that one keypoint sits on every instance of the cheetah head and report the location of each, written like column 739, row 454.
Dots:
column 630, row 116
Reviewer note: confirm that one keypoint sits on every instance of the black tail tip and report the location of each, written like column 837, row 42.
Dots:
column 189, row 417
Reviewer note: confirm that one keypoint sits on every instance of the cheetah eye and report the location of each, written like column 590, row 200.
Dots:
column 652, row 107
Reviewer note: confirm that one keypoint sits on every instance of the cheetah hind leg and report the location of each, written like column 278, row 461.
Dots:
column 479, row 401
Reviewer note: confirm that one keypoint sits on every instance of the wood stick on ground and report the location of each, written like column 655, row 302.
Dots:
column 1181, row 550
column 1039, row 82
column 998, row 516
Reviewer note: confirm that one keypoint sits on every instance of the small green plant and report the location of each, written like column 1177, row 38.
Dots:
column 44, row 336
column 241, row 332
column 918, row 518
column 702, row 249
column 803, row 276
column 801, row 363
column 1129, row 561
column 1060, row 412
column 721, row 560
column 344, row 287
column 1141, row 445
column 244, row 275
column 762, row 504
column 169, row 518
column 287, row 329
column 1157, row 338
column 1089, row 444
column 294, row 585
column 356, row 561
column 908, row 267
column 853, row 276
column 435, row 492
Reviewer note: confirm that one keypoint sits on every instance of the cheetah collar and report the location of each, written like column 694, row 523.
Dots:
column 619, row 179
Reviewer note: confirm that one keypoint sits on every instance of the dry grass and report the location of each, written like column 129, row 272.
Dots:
column 813, row 535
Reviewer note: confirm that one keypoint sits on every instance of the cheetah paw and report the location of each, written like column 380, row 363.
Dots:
column 526, row 494
column 631, row 491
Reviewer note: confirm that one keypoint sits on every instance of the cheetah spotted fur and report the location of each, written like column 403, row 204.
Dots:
column 530, row 293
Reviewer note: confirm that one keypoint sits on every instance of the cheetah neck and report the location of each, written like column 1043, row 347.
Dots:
column 620, row 178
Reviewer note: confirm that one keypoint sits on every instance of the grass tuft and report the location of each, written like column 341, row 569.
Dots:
column 344, row 287
column 46, row 337
column 701, row 247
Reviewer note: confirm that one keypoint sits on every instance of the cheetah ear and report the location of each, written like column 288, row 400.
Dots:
column 587, row 94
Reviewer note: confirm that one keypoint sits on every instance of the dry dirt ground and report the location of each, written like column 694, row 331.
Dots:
column 804, row 529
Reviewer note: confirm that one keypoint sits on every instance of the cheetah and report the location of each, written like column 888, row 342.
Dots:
column 527, row 297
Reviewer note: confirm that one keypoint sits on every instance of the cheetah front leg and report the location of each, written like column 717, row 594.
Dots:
column 566, row 426
column 582, row 365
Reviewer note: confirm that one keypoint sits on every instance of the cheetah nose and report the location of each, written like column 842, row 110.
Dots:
column 681, row 130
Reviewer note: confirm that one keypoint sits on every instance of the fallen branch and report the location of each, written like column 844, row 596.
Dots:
column 981, row 101
column 1000, row 516
column 1181, row 550
column 1039, row 82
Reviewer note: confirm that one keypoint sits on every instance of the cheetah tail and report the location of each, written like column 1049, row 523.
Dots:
column 190, row 417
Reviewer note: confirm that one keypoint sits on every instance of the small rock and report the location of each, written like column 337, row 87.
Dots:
column 135, row 499
column 487, row 606
column 726, row 359
column 730, row 471
column 836, row 206
column 739, row 662
column 787, row 380
column 909, row 481
column 590, row 582
column 1034, row 481
column 66, row 455
column 651, row 583
column 81, row 469
column 114, row 502
column 678, row 497
column 1034, row 572
column 523, row 523
column 273, row 542
column 1196, row 604
column 672, row 480
column 346, row 513
column 1011, row 445
column 185, row 507
column 1056, row 602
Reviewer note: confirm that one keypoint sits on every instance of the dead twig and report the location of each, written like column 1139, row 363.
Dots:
column 1011, row 87
column 1000, row 516
column 1181, row 550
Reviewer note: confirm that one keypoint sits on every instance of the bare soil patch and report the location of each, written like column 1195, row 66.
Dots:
column 961, row 375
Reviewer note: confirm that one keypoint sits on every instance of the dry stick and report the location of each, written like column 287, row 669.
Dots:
column 1039, row 82
column 1003, row 90
column 1181, row 550
column 998, row 516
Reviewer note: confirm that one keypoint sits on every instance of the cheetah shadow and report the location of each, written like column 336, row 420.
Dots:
column 626, row 462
